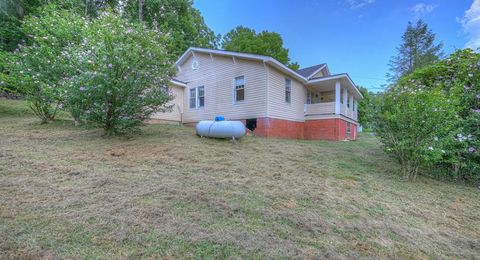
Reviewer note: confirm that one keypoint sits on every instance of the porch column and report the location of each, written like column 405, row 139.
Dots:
column 356, row 109
column 337, row 97
column 345, row 98
column 351, row 106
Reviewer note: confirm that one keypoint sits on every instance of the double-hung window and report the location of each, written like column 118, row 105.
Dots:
column 197, row 97
column 239, row 92
column 288, row 90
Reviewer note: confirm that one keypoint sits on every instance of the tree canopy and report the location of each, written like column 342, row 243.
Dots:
column 178, row 18
column 243, row 39
column 418, row 49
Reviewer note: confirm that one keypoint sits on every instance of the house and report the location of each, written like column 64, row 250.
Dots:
column 271, row 99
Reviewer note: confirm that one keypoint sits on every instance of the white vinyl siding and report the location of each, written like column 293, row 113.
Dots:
column 277, row 107
column 216, row 73
column 177, row 108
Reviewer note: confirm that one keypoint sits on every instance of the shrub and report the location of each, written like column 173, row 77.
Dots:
column 122, row 71
column 412, row 121
column 35, row 66
column 432, row 118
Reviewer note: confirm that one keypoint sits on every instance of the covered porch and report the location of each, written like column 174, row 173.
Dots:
column 330, row 96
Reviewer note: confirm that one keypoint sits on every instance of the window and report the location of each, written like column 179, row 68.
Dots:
column 239, row 89
column 197, row 97
column 193, row 98
column 201, row 97
column 288, row 90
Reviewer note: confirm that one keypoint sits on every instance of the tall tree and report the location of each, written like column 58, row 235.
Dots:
column 13, row 11
column 176, row 17
column 418, row 49
column 244, row 39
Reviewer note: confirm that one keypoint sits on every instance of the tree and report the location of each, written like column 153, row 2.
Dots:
column 178, row 18
column 243, row 39
column 431, row 117
column 418, row 49
column 119, row 74
column 12, row 13
column 367, row 108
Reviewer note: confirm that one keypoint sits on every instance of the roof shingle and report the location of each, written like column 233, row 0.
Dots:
column 305, row 72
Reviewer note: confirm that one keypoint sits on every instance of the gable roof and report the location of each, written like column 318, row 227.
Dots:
column 266, row 60
column 309, row 71
column 249, row 56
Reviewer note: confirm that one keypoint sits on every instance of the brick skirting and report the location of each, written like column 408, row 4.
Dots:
column 272, row 127
column 318, row 129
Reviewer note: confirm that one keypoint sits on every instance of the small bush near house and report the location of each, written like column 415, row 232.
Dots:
column 121, row 74
column 432, row 118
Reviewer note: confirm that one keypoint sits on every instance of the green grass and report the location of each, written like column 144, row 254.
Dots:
column 68, row 192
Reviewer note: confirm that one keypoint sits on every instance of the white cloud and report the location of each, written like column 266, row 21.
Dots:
column 471, row 25
column 421, row 9
column 354, row 4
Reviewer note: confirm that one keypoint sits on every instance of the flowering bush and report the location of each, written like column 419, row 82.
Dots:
column 432, row 117
column 35, row 65
column 121, row 73
column 411, row 123
column 105, row 71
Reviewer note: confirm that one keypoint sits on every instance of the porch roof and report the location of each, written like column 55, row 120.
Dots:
column 327, row 83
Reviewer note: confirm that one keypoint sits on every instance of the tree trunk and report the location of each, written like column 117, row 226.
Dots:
column 86, row 8
column 140, row 10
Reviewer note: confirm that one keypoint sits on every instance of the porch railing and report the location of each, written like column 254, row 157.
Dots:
column 320, row 108
column 328, row 108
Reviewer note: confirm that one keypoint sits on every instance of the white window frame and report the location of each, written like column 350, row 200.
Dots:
column 235, row 90
column 197, row 97
column 288, row 88
column 190, row 98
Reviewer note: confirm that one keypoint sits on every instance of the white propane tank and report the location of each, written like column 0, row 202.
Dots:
column 221, row 129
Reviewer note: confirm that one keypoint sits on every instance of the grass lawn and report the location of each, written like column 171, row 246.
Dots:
column 67, row 192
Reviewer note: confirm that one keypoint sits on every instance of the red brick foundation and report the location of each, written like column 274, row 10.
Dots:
column 354, row 132
column 272, row 127
column 319, row 129
column 326, row 129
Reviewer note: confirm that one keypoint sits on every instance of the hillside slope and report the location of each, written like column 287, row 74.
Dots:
column 68, row 192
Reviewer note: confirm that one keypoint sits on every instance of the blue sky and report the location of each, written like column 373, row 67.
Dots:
column 354, row 36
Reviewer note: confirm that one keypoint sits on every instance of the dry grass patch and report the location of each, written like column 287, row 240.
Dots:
column 67, row 192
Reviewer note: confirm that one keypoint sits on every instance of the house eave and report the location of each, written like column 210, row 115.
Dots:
column 178, row 83
column 337, row 76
